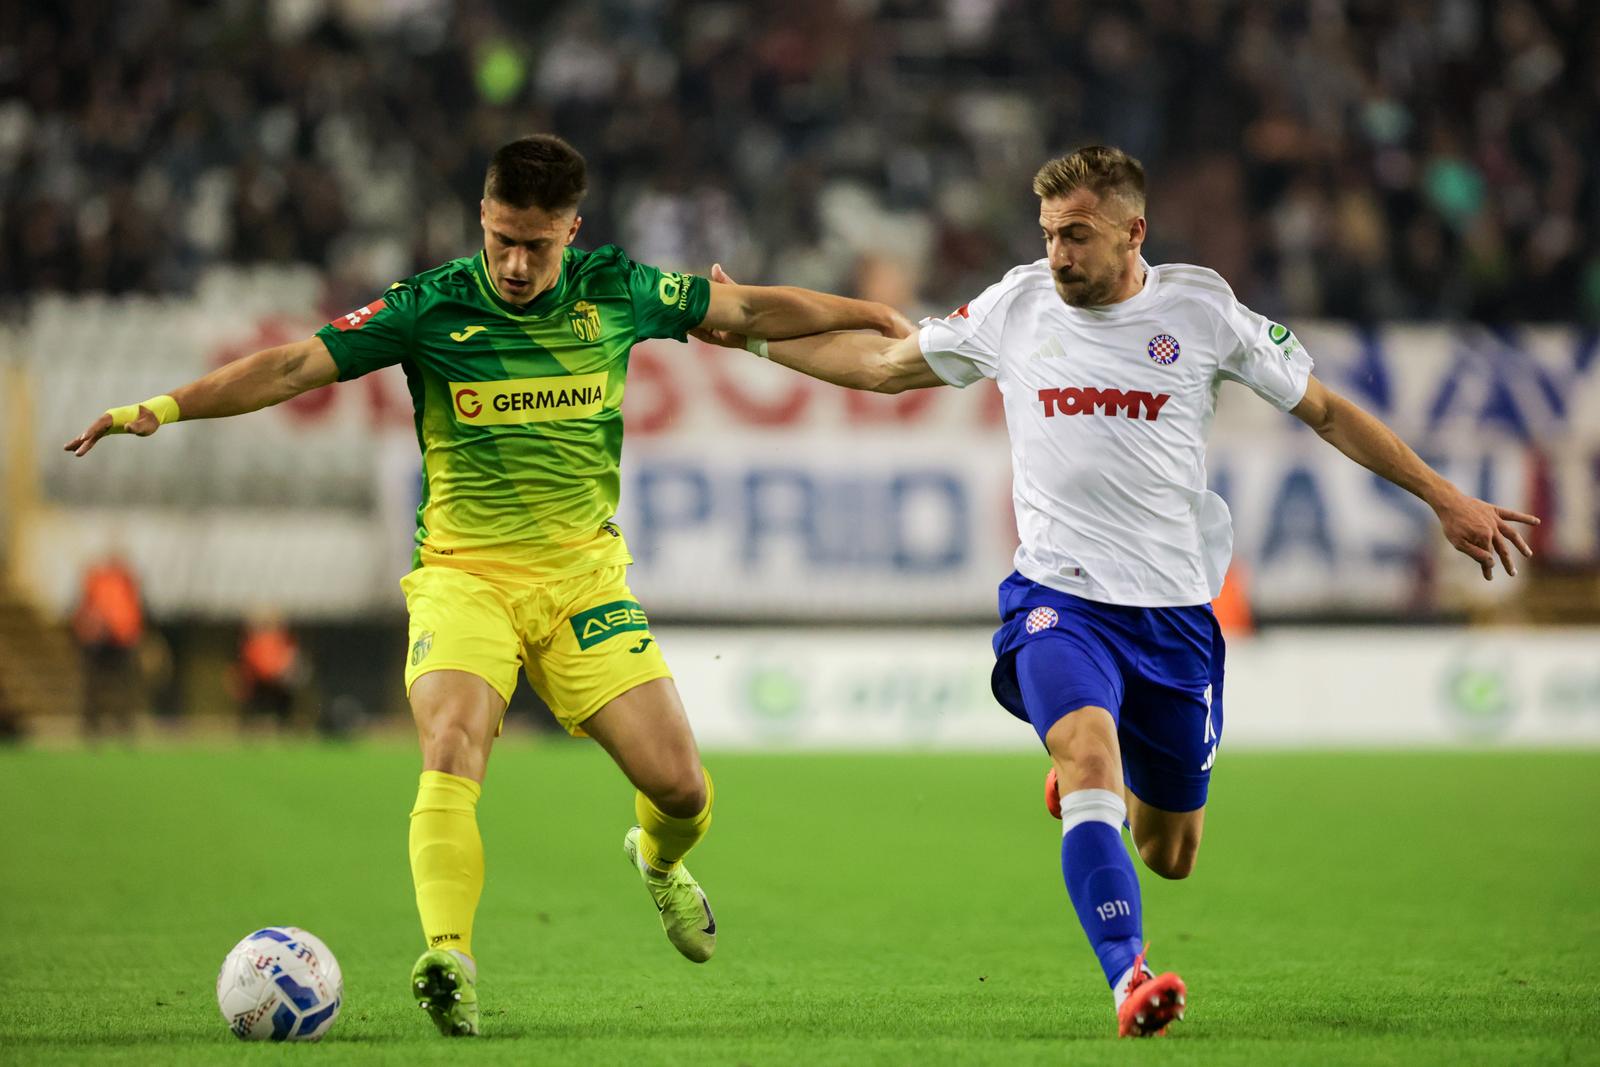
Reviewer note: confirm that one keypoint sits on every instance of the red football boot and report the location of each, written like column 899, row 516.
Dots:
column 1153, row 1001
column 1052, row 794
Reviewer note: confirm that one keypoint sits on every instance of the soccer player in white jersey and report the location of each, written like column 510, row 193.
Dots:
column 1109, row 369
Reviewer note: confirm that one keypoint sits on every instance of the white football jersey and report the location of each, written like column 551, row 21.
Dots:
column 1108, row 410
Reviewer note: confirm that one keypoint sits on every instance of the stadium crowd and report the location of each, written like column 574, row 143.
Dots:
column 1348, row 158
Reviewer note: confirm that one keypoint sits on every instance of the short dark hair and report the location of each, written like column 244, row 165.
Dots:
column 1102, row 170
column 541, row 171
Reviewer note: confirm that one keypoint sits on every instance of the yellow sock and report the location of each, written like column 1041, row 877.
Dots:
column 665, row 839
column 447, row 858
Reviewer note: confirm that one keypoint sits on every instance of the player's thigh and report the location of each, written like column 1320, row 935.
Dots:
column 1168, row 841
column 593, row 644
column 1169, row 747
column 1071, row 690
column 458, row 716
column 646, row 731
column 461, row 629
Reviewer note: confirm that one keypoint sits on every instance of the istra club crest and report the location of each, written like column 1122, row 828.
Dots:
column 423, row 646
column 585, row 319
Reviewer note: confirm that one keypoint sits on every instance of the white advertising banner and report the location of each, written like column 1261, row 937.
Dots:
column 1292, row 688
column 752, row 492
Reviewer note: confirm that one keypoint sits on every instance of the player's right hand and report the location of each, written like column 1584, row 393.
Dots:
column 142, row 426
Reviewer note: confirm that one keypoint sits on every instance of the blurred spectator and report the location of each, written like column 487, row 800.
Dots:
column 269, row 673
column 109, row 626
column 1424, row 159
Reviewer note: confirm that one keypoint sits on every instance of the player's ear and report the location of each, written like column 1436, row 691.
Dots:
column 483, row 213
column 577, row 220
column 1136, row 232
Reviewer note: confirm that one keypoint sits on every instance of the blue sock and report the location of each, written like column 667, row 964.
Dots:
column 1100, row 877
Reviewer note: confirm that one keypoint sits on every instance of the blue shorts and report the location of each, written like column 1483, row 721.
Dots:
column 1158, row 671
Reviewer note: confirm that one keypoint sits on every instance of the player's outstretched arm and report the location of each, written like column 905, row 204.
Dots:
column 260, row 380
column 1474, row 527
column 771, row 311
column 879, row 363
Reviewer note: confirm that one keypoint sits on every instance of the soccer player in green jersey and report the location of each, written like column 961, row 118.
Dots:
column 516, row 358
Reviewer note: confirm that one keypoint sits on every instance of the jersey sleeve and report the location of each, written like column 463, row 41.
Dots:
column 965, row 345
column 1266, row 356
column 372, row 337
column 665, row 303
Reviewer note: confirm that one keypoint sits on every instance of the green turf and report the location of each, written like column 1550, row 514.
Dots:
column 1358, row 909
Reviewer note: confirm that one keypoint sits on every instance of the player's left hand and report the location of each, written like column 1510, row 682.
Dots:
column 1483, row 531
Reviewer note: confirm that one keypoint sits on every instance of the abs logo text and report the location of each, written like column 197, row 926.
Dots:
column 597, row 624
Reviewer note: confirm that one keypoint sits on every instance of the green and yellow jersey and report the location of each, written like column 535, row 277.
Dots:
column 519, row 408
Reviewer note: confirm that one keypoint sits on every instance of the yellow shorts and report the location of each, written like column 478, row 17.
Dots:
column 583, row 639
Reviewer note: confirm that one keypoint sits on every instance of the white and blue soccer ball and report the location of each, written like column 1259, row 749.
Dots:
column 280, row 984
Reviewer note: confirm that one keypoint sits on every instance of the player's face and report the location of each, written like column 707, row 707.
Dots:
column 524, row 247
column 1092, row 248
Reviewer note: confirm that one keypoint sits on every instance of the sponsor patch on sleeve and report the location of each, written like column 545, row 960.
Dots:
column 359, row 317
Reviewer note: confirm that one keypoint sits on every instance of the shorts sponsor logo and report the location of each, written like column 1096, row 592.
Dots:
column 585, row 321
column 359, row 317
column 1041, row 619
column 1163, row 348
column 524, row 400
column 597, row 624
column 1131, row 403
column 421, row 648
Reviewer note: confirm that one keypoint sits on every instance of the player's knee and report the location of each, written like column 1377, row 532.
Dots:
column 683, row 796
column 1087, row 762
column 449, row 743
column 1084, row 747
column 1170, row 859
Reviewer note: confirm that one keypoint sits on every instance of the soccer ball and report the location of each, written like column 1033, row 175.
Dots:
column 280, row 984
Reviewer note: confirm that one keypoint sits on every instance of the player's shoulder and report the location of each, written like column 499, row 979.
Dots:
column 447, row 278
column 1027, row 276
column 1195, row 284
column 603, row 271
column 1019, row 280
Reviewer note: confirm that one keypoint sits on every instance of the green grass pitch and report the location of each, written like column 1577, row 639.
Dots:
column 893, row 909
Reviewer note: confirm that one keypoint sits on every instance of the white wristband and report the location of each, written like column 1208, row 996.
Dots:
column 757, row 345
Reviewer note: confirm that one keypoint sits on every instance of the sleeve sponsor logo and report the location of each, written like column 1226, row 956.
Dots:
column 962, row 312
column 523, row 400
column 359, row 317
column 673, row 290
column 1282, row 337
column 606, row 621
